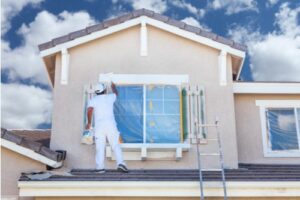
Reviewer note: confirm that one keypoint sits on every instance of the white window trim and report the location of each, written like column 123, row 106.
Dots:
column 264, row 104
column 164, row 79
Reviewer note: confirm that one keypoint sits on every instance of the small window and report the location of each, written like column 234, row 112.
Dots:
column 280, row 127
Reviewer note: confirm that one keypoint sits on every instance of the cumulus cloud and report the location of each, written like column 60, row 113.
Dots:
column 23, row 62
column 24, row 106
column 233, row 6
column 10, row 8
column 192, row 21
column 271, row 3
column 274, row 56
column 159, row 6
column 189, row 7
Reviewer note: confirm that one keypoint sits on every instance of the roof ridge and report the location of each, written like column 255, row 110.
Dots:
column 135, row 14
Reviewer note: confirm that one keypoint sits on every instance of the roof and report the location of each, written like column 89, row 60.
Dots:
column 38, row 135
column 135, row 14
column 245, row 172
column 30, row 140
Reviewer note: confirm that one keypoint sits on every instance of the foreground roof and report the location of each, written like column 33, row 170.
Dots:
column 137, row 13
column 246, row 172
column 247, row 181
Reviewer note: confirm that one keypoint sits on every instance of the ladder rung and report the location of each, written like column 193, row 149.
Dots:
column 211, row 169
column 209, row 154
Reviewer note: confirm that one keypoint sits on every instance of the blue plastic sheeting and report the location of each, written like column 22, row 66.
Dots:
column 163, row 114
column 282, row 129
column 128, row 110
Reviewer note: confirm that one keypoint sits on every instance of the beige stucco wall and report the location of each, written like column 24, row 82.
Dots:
column 120, row 53
column 12, row 164
column 249, row 136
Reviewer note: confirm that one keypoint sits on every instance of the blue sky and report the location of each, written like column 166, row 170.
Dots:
column 270, row 29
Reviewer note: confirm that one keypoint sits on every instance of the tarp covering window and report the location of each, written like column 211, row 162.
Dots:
column 282, row 129
column 163, row 114
column 162, row 109
column 128, row 112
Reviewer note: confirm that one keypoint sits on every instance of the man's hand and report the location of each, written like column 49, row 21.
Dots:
column 88, row 126
column 114, row 89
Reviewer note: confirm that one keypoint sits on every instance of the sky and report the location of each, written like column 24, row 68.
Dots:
column 269, row 28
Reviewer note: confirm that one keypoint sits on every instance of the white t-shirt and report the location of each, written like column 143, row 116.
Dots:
column 103, row 109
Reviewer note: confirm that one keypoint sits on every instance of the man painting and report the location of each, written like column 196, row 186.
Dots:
column 102, row 106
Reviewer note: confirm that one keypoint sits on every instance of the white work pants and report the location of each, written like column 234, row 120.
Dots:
column 110, row 132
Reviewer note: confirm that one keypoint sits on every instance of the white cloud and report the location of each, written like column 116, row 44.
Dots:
column 274, row 56
column 271, row 3
column 192, row 21
column 233, row 6
column 10, row 8
column 23, row 62
column 24, row 106
column 159, row 6
column 189, row 7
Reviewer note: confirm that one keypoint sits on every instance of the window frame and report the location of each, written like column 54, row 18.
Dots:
column 263, row 106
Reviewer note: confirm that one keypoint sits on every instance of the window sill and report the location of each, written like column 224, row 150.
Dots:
column 284, row 154
column 139, row 151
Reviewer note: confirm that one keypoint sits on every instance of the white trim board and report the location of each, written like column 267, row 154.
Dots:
column 29, row 153
column 176, row 79
column 146, row 20
column 266, row 88
column 278, row 103
column 157, row 188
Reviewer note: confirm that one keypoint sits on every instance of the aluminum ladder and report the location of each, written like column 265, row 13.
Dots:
column 220, row 154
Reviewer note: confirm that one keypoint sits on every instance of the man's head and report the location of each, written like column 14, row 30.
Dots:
column 100, row 89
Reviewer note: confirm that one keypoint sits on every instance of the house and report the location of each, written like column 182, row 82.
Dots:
column 172, row 78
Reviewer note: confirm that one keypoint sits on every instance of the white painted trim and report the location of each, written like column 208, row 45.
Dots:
column 152, row 22
column 29, row 153
column 157, row 189
column 264, row 104
column 278, row 103
column 143, row 39
column 65, row 57
column 240, row 70
column 266, row 88
column 222, row 64
column 144, row 151
column 166, row 79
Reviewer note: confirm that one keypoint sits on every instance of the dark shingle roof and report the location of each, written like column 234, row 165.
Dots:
column 246, row 172
column 135, row 14
column 31, row 140
column 38, row 135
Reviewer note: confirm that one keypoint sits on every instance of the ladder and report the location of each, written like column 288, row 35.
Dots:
column 220, row 154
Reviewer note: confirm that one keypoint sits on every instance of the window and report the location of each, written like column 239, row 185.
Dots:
column 149, row 113
column 280, row 127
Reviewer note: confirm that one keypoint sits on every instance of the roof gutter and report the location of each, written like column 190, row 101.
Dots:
column 157, row 189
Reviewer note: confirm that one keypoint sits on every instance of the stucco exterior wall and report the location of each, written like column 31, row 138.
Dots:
column 120, row 53
column 249, row 134
column 12, row 164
